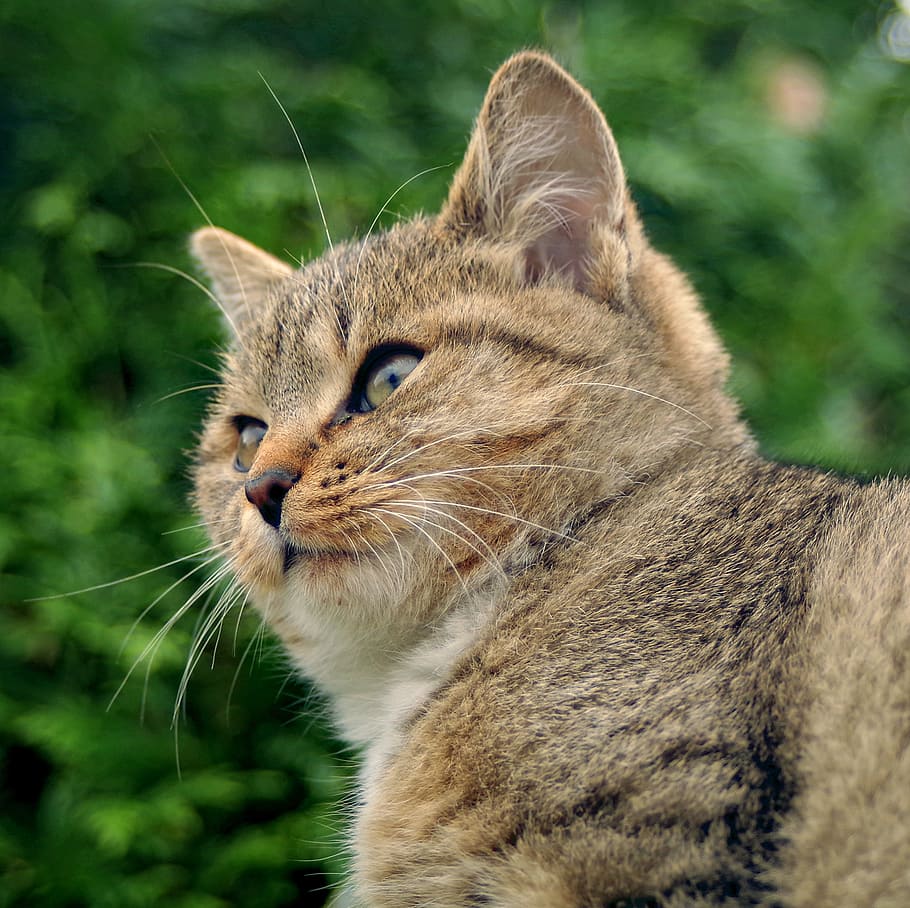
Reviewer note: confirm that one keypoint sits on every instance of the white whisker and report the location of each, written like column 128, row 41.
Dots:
column 196, row 362
column 394, row 539
column 157, row 639
column 161, row 596
column 208, row 220
column 379, row 213
column 211, row 629
column 198, row 526
column 462, row 470
column 421, row 530
column 243, row 604
column 472, row 433
column 246, row 651
column 621, row 361
column 145, row 573
column 198, row 284
column 521, row 520
column 378, row 556
column 669, row 403
column 309, row 169
column 306, row 160
column 489, row 556
column 401, row 438
column 206, row 387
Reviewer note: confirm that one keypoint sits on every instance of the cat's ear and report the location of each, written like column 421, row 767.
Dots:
column 241, row 273
column 542, row 171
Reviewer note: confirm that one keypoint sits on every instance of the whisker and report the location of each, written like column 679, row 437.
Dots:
column 152, row 646
column 196, row 362
column 208, row 220
column 150, row 661
column 621, row 361
column 180, row 180
column 421, row 448
column 221, row 626
column 206, row 621
column 379, row 213
column 246, row 599
column 145, row 573
column 378, row 555
column 351, row 547
column 246, row 651
column 197, row 284
column 609, row 420
column 669, row 403
column 389, row 449
column 421, row 530
column 210, row 629
column 530, row 523
column 157, row 639
column 161, row 596
column 461, row 470
column 259, row 636
column 198, row 526
column 176, row 727
column 490, row 556
column 497, row 493
column 207, row 387
column 306, row 160
column 394, row 539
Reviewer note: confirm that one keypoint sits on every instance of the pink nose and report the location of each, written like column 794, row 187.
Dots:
column 267, row 493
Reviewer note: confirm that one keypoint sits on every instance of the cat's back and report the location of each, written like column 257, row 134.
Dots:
column 847, row 832
column 639, row 715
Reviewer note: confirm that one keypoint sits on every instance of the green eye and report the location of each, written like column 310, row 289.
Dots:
column 382, row 374
column 251, row 432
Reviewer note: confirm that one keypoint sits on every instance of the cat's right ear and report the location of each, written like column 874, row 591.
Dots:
column 241, row 274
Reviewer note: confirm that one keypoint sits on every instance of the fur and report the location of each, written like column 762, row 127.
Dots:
column 596, row 649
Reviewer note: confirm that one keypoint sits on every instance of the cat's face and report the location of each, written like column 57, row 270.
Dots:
column 412, row 417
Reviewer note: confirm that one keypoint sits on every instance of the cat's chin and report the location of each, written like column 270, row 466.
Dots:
column 284, row 563
column 270, row 562
column 264, row 559
column 309, row 558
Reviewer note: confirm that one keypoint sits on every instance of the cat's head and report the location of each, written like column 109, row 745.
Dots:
column 418, row 413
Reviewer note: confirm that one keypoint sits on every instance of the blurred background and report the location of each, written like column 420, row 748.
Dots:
column 768, row 146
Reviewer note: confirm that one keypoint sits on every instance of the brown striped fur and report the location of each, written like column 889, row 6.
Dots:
column 598, row 652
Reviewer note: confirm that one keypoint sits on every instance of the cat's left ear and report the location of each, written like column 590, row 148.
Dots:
column 241, row 274
column 542, row 171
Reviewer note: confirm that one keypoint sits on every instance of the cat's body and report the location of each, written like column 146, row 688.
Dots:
column 481, row 476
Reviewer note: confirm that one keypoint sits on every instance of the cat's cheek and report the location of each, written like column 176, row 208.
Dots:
column 257, row 554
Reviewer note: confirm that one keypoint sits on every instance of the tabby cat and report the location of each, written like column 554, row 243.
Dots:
column 481, row 476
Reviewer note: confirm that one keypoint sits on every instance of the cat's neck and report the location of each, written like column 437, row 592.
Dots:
column 376, row 685
column 380, row 714
column 376, row 688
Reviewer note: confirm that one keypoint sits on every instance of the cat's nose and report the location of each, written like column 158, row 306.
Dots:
column 267, row 493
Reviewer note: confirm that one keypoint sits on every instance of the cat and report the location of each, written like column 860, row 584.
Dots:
column 481, row 475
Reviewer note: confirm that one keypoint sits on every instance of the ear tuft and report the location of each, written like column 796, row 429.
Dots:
column 241, row 273
column 542, row 171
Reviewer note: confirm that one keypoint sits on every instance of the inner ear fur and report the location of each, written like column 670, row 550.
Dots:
column 542, row 172
column 241, row 274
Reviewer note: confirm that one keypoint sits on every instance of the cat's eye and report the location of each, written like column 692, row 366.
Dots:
column 250, row 434
column 384, row 370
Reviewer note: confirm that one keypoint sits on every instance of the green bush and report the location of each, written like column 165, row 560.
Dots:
column 796, row 228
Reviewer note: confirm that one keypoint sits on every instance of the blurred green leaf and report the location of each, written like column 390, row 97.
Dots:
column 796, row 235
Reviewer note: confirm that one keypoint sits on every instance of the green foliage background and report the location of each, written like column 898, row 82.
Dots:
column 800, row 243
